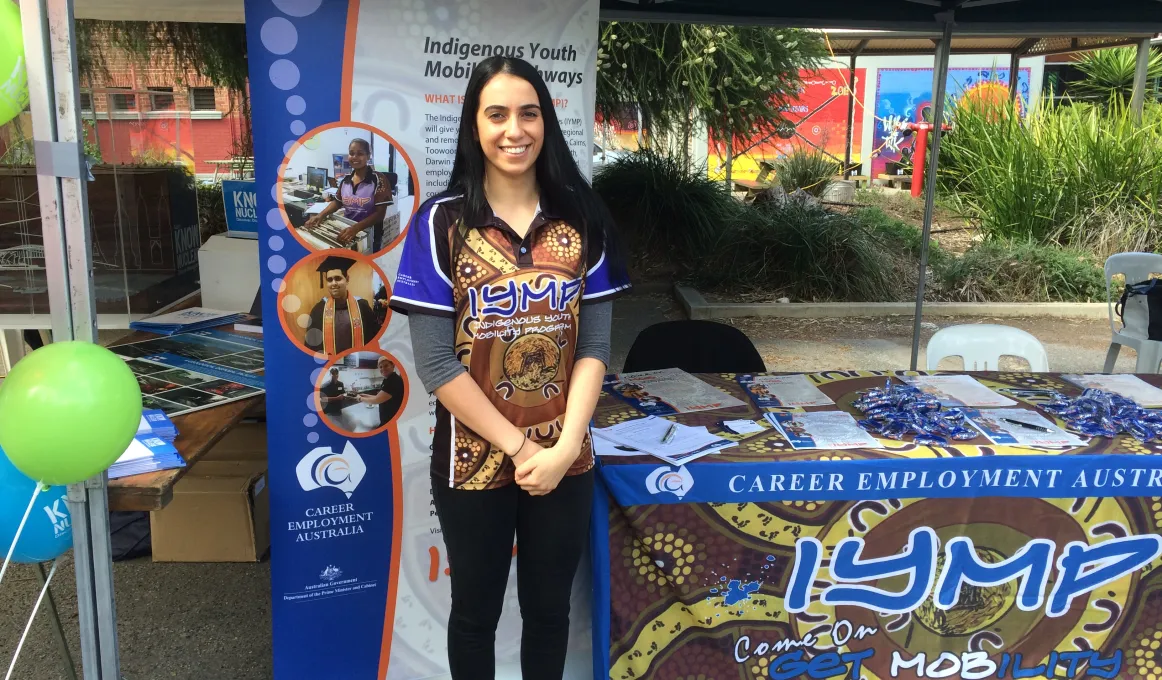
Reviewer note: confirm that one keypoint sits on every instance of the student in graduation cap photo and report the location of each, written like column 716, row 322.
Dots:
column 341, row 320
column 363, row 196
column 507, row 278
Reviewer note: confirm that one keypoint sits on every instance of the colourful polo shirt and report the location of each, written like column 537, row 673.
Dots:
column 358, row 198
column 516, row 303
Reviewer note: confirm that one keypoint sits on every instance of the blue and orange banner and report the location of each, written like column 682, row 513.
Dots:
column 359, row 575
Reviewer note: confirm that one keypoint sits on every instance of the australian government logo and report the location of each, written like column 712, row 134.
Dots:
column 331, row 584
column 323, row 468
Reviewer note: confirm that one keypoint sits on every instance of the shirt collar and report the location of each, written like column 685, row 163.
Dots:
column 541, row 216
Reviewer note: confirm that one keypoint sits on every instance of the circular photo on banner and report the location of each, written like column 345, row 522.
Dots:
column 360, row 393
column 348, row 186
column 333, row 302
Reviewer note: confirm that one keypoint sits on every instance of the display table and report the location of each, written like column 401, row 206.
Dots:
column 198, row 432
column 763, row 561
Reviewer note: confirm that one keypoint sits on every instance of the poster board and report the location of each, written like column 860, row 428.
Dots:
column 358, row 565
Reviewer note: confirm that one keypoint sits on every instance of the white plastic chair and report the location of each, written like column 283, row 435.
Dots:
column 1137, row 267
column 983, row 345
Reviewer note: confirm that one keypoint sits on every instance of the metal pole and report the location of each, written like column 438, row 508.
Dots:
column 943, row 51
column 1138, row 101
column 67, row 667
column 851, row 95
column 48, row 33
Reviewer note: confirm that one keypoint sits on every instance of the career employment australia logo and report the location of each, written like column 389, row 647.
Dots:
column 665, row 479
column 322, row 467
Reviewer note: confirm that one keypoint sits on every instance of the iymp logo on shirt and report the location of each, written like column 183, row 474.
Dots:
column 322, row 467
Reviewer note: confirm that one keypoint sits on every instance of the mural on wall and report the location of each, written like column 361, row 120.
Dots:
column 815, row 121
column 616, row 133
column 904, row 95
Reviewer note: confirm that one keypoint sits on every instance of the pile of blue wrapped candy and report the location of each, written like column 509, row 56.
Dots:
column 1097, row 413
column 895, row 411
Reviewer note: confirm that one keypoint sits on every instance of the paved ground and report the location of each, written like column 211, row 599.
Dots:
column 212, row 621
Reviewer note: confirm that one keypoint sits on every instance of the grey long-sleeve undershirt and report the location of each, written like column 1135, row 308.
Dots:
column 433, row 340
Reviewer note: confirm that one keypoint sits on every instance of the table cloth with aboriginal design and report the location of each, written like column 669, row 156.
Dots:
column 965, row 561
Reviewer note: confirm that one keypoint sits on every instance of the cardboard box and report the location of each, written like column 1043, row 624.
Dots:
column 244, row 441
column 220, row 513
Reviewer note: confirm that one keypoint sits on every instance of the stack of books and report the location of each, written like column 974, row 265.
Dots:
column 152, row 448
column 187, row 320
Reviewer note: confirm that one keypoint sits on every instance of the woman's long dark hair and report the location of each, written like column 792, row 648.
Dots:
column 561, row 182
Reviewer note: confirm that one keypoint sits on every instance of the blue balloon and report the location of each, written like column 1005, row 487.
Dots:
column 48, row 534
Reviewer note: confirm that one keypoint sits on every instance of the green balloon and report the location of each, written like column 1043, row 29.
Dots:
column 14, row 86
column 67, row 411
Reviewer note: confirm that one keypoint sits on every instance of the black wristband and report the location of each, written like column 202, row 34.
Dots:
column 524, row 440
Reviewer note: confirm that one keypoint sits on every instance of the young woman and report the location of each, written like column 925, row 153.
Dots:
column 363, row 195
column 507, row 277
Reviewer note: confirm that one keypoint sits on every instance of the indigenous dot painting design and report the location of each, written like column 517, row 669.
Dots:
column 469, row 270
column 660, row 628
column 563, row 243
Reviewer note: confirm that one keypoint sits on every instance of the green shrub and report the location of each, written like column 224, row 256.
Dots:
column 802, row 251
column 999, row 271
column 811, row 171
column 211, row 210
column 898, row 235
column 1046, row 176
column 664, row 210
column 1110, row 73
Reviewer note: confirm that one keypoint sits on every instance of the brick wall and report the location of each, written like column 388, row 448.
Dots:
column 154, row 130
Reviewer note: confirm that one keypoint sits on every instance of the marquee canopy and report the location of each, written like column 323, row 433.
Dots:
column 980, row 17
column 1022, row 17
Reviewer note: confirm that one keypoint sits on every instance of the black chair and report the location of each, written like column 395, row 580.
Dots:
column 694, row 347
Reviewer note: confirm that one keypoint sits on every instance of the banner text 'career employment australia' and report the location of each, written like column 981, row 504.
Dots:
column 359, row 574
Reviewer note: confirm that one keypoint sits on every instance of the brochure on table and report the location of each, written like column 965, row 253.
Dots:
column 788, row 391
column 668, row 391
column 192, row 371
column 672, row 442
column 1021, row 427
column 958, row 390
column 822, row 430
column 1131, row 387
column 185, row 320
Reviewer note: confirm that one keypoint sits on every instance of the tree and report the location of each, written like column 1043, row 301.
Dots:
column 736, row 80
column 1110, row 73
column 216, row 51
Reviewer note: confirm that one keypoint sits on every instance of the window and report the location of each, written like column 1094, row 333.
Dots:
column 122, row 102
column 161, row 98
column 86, row 101
column 202, row 99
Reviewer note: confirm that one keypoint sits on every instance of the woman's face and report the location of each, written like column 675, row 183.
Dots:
column 357, row 156
column 509, row 125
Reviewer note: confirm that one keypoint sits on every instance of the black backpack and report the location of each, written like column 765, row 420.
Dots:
column 1151, row 291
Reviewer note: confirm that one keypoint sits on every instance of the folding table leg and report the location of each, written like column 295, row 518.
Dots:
column 70, row 670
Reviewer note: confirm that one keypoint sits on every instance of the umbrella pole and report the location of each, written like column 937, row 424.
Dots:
column 943, row 52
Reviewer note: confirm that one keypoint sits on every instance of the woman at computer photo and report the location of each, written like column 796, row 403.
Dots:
column 507, row 278
column 363, row 196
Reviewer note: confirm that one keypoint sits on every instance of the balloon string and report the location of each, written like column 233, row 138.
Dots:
column 19, row 529
column 35, row 609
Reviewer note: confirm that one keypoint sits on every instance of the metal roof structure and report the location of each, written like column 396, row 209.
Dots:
column 987, row 17
column 845, row 42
